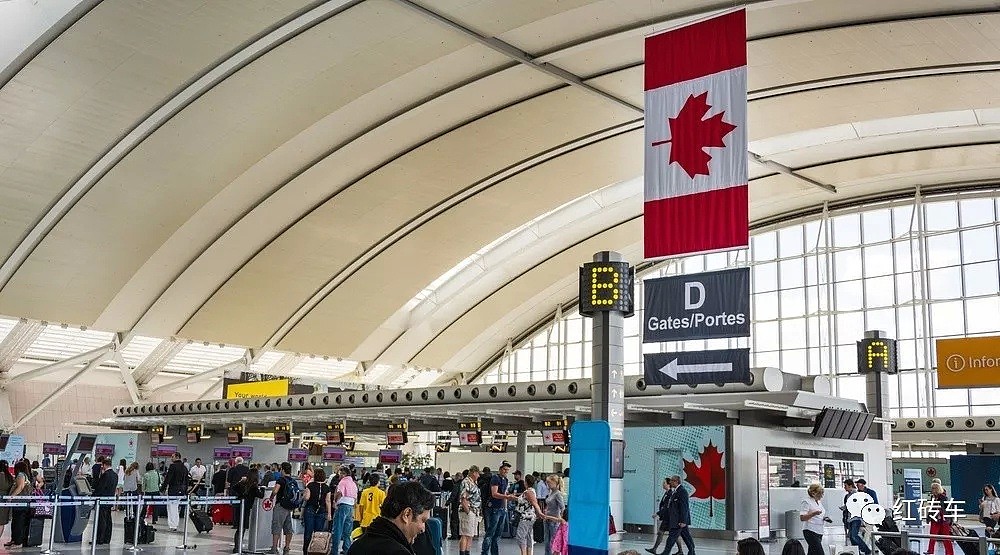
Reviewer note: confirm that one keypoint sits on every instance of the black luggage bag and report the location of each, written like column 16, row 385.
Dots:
column 35, row 528
column 202, row 521
column 538, row 530
column 146, row 532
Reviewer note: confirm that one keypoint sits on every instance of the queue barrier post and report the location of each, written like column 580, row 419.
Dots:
column 187, row 517
column 136, row 522
column 239, row 525
column 50, row 550
column 93, row 534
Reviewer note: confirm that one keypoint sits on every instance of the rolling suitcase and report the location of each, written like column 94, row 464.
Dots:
column 202, row 522
column 35, row 528
column 967, row 547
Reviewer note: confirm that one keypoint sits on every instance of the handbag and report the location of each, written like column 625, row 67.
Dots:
column 612, row 530
column 319, row 544
column 42, row 508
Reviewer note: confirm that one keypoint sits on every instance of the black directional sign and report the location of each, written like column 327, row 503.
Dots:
column 697, row 367
column 709, row 305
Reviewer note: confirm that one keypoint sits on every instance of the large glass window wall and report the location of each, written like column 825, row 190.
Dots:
column 920, row 268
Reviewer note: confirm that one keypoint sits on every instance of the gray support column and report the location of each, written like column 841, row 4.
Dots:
column 521, row 462
column 608, row 368
column 877, row 401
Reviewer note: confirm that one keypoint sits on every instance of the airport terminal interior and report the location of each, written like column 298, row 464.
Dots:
column 396, row 240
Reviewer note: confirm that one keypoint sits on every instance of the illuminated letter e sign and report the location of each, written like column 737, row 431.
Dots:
column 606, row 286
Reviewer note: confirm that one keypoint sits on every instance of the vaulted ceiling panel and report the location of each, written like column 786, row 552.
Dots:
column 148, row 196
column 525, row 299
column 322, row 244
column 96, row 80
column 400, row 272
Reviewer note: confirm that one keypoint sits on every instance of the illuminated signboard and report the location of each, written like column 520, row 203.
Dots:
column 469, row 438
column 606, row 286
column 877, row 354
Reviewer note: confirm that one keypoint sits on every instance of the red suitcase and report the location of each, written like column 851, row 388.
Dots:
column 222, row 514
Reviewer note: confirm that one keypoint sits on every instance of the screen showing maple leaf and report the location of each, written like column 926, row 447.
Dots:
column 708, row 478
column 690, row 135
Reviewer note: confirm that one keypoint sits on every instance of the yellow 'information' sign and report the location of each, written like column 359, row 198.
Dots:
column 968, row 362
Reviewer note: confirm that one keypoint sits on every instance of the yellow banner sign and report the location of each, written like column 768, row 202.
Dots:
column 249, row 390
column 968, row 362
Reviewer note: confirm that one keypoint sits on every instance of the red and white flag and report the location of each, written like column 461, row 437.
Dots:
column 696, row 140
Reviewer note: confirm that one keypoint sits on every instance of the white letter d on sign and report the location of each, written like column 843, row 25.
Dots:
column 690, row 287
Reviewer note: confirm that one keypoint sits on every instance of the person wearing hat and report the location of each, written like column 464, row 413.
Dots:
column 499, row 485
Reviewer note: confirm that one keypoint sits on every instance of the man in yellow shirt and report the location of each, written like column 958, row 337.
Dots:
column 370, row 501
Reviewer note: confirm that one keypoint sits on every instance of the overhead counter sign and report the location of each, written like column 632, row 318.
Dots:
column 968, row 362
column 709, row 305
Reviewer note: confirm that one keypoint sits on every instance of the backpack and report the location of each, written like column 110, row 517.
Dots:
column 291, row 494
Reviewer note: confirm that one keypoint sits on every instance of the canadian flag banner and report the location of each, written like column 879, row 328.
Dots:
column 696, row 196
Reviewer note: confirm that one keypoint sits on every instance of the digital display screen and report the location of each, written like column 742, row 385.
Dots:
column 390, row 456
column 606, row 286
column 298, row 455
column 53, row 449
column 104, row 450
column 498, row 447
column 335, row 437
column 234, row 438
column 84, row 443
column 554, row 437
column 877, row 354
column 245, row 452
column 334, row 454
column 193, row 437
column 163, row 450
column 222, row 453
column 442, row 447
column 155, row 437
column 395, row 438
column 467, row 438
column 282, row 438
column 4, row 439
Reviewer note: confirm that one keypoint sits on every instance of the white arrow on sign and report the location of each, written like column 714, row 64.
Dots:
column 673, row 368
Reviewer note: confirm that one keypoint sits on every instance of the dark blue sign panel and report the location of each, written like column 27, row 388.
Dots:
column 697, row 306
column 697, row 367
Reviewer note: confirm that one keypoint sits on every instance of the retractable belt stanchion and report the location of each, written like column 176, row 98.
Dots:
column 93, row 535
column 239, row 527
column 52, row 529
column 135, row 525
column 187, row 515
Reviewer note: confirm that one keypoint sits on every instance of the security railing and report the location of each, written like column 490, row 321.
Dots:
column 52, row 503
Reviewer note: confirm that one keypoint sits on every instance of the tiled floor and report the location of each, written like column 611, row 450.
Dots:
column 219, row 541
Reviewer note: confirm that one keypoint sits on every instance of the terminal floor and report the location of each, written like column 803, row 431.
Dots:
column 219, row 541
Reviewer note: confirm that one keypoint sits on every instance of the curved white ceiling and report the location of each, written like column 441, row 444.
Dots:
column 291, row 174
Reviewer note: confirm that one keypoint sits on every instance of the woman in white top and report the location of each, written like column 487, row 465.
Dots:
column 812, row 514
column 989, row 508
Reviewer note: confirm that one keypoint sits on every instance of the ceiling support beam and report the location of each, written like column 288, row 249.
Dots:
column 58, row 392
column 520, row 56
column 161, row 355
column 215, row 387
column 127, row 378
column 783, row 169
column 17, row 342
column 94, row 354
column 218, row 371
column 6, row 411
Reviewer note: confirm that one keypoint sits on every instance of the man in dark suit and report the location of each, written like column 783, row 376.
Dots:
column 107, row 484
column 679, row 516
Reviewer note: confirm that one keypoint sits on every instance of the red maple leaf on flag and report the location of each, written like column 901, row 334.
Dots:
column 690, row 135
column 708, row 479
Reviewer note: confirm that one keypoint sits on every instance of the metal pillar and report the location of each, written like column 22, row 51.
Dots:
column 608, row 389
column 521, row 462
column 877, row 401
